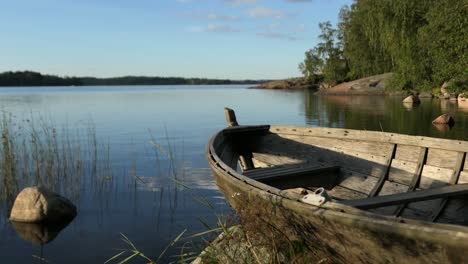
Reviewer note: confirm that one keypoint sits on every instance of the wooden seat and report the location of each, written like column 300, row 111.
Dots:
column 408, row 197
column 296, row 176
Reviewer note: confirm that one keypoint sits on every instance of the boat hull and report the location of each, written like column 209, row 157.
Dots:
column 336, row 235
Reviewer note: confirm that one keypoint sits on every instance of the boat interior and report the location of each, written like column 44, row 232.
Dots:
column 390, row 174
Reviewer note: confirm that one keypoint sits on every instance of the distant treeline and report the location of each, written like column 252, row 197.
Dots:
column 423, row 42
column 29, row 78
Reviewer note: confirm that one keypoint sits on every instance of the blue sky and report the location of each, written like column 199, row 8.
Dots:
column 237, row 39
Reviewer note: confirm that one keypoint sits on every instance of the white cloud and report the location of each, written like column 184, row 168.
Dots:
column 240, row 2
column 278, row 35
column 213, row 16
column 220, row 28
column 265, row 12
column 215, row 28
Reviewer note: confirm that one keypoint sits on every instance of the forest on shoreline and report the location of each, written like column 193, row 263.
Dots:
column 424, row 43
column 30, row 78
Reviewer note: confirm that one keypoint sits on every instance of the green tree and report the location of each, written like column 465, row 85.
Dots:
column 312, row 65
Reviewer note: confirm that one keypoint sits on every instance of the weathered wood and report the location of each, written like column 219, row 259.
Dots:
column 374, row 136
column 434, row 176
column 463, row 176
column 453, row 180
column 357, row 181
column 276, row 160
column 442, row 158
column 293, row 148
column 387, row 200
column 347, row 146
column 292, row 177
column 408, row 153
column 230, row 117
column 416, row 177
column 342, row 193
column 244, row 158
column 384, row 175
column 243, row 130
column 402, row 171
column 229, row 157
column 359, row 149
column 389, row 239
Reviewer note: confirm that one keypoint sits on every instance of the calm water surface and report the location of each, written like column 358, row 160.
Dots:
column 151, row 210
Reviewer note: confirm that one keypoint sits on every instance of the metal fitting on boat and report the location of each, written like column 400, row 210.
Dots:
column 317, row 198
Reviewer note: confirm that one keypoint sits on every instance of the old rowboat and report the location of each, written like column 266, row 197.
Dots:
column 352, row 196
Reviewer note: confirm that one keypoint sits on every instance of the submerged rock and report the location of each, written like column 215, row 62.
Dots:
column 412, row 99
column 38, row 234
column 444, row 119
column 39, row 205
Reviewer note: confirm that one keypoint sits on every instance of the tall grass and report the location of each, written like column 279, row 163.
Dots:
column 34, row 152
column 245, row 238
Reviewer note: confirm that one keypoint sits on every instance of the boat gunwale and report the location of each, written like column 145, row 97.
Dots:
column 374, row 136
column 456, row 232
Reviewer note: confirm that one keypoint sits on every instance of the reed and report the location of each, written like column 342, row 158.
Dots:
column 247, row 238
column 33, row 151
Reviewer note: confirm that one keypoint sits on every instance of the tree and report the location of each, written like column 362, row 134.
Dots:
column 312, row 65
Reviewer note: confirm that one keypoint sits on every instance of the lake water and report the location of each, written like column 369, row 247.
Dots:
column 139, row 197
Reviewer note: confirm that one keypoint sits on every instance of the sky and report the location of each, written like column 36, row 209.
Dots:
column 235, row 39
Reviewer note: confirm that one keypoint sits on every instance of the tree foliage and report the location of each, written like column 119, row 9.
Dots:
column 29, row 78
column 423, row 42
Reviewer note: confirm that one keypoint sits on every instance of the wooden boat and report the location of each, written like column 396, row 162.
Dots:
column 352, row 196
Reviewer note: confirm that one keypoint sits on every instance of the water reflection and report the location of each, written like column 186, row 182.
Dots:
column 385, row 114
column 131, row 188
column 38, row 234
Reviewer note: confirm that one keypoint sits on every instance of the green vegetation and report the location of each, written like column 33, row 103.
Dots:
column 29, row 78
column 424, row 43
column 33, row 152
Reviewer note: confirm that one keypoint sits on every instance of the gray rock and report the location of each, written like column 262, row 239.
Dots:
column 444, row 119
column 39, row 205
column 425, row 95
column 412, row 99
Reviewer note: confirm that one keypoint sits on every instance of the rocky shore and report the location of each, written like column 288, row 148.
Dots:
column 288, row 84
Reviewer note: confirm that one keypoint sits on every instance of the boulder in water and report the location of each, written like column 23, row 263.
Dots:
column 39, row 205
column 412, row 99
column 444, row 119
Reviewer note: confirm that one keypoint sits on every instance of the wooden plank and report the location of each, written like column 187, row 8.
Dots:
column 434, row 176
column 260, row 164
column 354, row 148
column 393, row 188
column 243, row 130
column 374, row 136
column 357, row 181
column 297, row 177
column 453, row 180
column 346, row 145
column 402, row 171
column 230, row 117
column 276, row 160
column 416, row 177
column 442, row 158
column 294, row 149
column 463, row 176
column 342, row 193
column 384, row 175
column 387, row 200
column 281, row 169
column 456, row 210
column 229, row 157
column 408, row 153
